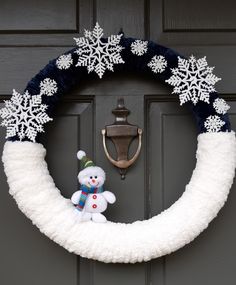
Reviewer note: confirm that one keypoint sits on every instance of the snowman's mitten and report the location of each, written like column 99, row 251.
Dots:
column 75, row 197
column 98, row 218
column 109, row 196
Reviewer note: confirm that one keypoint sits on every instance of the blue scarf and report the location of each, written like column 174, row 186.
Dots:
column 84, row 195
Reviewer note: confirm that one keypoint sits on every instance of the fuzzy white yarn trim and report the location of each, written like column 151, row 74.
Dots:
column 38, row 198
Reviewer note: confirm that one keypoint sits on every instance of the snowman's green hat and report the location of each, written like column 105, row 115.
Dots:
column 85, row 161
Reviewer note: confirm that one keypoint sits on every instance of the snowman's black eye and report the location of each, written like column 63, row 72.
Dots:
column 95, row 177
column 91, row 177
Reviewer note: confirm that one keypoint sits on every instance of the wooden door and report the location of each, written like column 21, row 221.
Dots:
column 32, row 33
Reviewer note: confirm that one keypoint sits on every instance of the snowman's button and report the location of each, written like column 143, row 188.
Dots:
column 94, row 206
column 94, row 196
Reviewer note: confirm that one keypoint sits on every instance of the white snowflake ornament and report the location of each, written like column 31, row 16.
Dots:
column 48, row 87
column 98, row 54
column 193, row 80
column 213, row 124
column 24, row 116
column 139, row 47
column 158, row 64
column 220, row 106
column 64, row 61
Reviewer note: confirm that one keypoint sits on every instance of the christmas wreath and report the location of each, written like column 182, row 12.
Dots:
column 35, row 192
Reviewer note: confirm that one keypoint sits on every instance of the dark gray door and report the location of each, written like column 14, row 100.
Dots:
column 31, row 33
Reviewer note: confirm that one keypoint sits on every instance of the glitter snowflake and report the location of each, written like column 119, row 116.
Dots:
column 158, row 64
column 139, row 47
column 64, row 61
column 213, row 124
column 24, row 116
column 48, row 87
column 193, row 80
column 221, row 106
column 98, row 54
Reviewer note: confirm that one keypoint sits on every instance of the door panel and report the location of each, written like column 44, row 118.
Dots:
column 199, row 16
column 210, row 258
column 55, row 17
column 27, row 256
column 171, row 151
column 72, row 129
column 167, row 158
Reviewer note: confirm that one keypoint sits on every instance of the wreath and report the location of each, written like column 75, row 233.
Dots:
column 35, row 192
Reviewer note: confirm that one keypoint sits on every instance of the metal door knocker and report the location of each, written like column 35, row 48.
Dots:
column 122, row 133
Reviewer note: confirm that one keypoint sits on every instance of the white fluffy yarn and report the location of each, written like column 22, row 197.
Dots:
column 36, row 195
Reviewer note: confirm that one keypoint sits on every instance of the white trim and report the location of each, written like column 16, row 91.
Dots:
column 36, row 195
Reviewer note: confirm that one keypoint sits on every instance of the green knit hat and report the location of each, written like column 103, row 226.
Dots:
column 85, row 161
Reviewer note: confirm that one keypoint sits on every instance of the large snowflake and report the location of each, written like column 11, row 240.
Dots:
column 96, row 53
column 213, row 124
column 193, row 80
column 24, row 116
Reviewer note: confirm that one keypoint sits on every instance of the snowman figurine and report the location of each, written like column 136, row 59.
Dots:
column 91, row 200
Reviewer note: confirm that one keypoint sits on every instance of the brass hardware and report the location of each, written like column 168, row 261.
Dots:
column 122, row 134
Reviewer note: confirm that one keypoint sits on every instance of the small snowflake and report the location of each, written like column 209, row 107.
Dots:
column 221, row 106
column 213, row 124
column 98, row 54
column 158, row 64
column 193, row 80
column 48, row 87
column 64, row 61
column 139, row 47
column 24, row 116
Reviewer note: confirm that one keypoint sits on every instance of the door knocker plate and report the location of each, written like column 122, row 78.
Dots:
column 122, row 133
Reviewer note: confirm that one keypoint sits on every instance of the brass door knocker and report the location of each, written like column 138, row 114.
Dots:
column 122, row 134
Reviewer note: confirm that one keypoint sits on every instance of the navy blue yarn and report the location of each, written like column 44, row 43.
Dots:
column 69, row 78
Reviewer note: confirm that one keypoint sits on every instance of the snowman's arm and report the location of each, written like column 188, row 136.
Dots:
column 109, row 196
column 75, row 197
